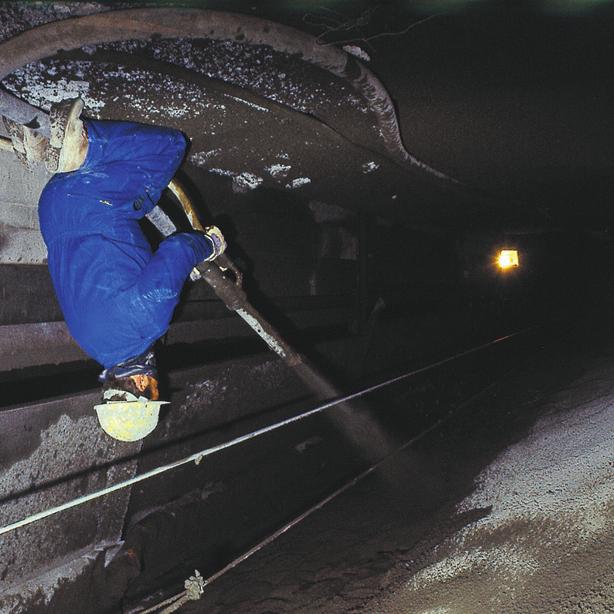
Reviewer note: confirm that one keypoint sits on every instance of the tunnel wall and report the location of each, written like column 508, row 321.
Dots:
column 48, row 447
column 303, row 263
column 54, row 451
column 20, row 240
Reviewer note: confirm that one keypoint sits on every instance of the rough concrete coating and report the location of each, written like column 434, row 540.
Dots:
column 20, row 238
column 509, row 507
column 250, row 150
column 546, row 544
column 51, row 452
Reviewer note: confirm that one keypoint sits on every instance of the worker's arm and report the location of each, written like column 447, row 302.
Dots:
column 162, row 280
column 170, row 266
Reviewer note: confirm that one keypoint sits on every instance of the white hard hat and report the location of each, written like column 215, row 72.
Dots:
column 129, row 420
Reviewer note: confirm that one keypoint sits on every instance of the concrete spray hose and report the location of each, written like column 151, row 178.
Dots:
column 353, row 419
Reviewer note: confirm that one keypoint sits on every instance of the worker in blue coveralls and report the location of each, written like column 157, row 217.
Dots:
column 117, row 296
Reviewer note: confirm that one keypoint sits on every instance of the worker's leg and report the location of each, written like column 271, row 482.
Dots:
column 126, row 163
column 126, row 168
column 137, row 160
column 28, row 145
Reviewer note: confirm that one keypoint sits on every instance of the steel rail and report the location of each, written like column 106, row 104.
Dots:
column 197, row 457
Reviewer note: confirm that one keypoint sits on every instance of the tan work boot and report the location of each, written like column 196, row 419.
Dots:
column 68, row 144
column 29, row 146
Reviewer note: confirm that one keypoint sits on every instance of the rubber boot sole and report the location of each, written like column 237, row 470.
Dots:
column 61, row 116
column 16, row 134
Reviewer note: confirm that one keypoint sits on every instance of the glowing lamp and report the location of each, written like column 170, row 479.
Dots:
column 507, row 259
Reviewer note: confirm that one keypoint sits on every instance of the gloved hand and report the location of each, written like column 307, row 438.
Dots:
column 214, row 234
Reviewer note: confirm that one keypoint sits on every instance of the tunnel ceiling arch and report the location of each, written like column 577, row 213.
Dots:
column 243, row 140
column 158, row 23
column 259, row 141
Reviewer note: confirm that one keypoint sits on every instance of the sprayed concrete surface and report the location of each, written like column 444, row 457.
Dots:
column 505, row 508
column 508, row 507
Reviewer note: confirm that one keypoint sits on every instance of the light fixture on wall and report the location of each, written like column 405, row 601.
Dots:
column 508, row 259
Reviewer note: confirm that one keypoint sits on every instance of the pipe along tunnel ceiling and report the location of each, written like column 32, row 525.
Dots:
column 277, row 123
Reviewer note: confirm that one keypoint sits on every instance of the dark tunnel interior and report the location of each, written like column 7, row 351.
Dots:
column 418, row 196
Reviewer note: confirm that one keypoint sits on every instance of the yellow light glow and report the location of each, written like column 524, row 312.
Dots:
column 508, row 258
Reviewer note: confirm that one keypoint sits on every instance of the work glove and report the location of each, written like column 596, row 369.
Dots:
column 215, row 236
column 218, row 244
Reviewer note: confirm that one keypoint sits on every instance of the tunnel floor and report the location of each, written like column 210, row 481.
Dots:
column 506, row 507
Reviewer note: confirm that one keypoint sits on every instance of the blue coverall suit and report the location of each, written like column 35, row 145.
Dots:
column 117, row 296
